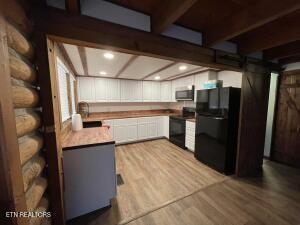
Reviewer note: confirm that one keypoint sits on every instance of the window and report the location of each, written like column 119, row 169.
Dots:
column 66, row 91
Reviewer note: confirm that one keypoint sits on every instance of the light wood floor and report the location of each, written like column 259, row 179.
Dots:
column 165, row 185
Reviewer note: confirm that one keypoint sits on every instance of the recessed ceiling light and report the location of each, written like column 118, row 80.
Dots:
column 157, row 77
column 102, row 72
column 108, row 55
column 182, row 67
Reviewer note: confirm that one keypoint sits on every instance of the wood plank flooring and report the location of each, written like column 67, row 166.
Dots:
column 165, row 185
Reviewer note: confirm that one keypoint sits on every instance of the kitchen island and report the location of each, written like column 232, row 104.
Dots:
column 89, row 170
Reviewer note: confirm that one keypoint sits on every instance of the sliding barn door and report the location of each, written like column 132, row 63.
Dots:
column 286, row 144
column 253, row 117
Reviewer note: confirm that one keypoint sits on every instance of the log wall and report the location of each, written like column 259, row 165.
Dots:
column 26, row 103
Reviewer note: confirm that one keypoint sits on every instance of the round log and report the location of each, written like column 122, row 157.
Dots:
column 29, row 147
column 42, row 207
column 24, row 97
column 18, row 42
column 27, row 123
column 35, row 193
column 21, row 70
column 31, row 170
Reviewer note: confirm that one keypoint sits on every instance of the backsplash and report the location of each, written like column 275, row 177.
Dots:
column 123, row 106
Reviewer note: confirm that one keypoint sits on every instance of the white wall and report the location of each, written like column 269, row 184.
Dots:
column 113, row 107
column 230, row 78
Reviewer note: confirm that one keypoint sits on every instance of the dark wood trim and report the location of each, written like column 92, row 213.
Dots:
column 73, row 6
column 283, row 51
column 245, row 20
column 83, row 58
column 276, row 33
column 168, row 12
column 159, row 70
column 126, row 65
column 12, row 197
column 290, row 72
column 291, row 59
column 66, row 57
column 95, row 33
column 45, row 59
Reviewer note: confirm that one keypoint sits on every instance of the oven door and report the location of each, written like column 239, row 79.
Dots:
column 177, row 131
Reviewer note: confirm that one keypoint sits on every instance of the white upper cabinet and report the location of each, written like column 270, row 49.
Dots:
column 166, row 91
column 151, row 91
column 147, row 91
column 113, row 90
column 131, row 91
column 101, row 89
column 86, row 89
column 156, row 91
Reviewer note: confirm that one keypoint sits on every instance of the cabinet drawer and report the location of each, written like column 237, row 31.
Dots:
column 150, row 119
column 190, row 125
column 121, row 122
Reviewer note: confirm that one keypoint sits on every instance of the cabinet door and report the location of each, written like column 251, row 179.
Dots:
column 131, row 132
column 166, row 91
column 155, row 93
column 152, row 130
column 113, row 90
column 136, row 91
column 147, row 91
column 101, row 89
column 86, row 89
column 125, row 91
column 142, row 131
column 120, row 134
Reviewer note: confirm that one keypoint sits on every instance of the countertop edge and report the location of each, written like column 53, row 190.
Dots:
column 87, row 145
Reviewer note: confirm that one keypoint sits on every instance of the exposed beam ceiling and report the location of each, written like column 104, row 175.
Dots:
column 90, row 32
column 276, row 33
column 291, row 59
column 248, row 19
column 167, row 13
column 202, row 70
column 127, row 64
column 173, row 76
column 283, row 51
column 159, row 70
column 66, row 58
column 82, row 54
column 73, row 6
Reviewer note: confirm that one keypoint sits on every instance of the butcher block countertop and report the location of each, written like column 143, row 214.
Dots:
column 87, row 137
column 192, row 120
column 129, row 114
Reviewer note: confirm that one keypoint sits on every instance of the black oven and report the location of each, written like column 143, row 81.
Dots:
column 177, row 131
column 185, row 93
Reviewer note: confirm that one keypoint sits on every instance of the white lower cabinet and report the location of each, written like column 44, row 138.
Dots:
column 190, row 133
column 142, row 128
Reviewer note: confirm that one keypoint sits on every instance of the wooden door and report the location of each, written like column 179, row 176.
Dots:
column 253, row 117
column 286, row 138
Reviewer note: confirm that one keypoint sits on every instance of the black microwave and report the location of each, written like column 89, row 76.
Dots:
column 185, row 93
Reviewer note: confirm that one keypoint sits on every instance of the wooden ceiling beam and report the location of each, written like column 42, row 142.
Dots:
column 167, row 13
column 291, row 59
column 73, row 6
column 159, row 70
column 279, row 32
column 83, row 59
column 283, row 51
column 83, row 30
column 66, row 57
column 248, row 19
column 126, row 65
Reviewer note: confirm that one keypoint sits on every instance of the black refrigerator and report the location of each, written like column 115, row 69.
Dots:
column 217, row 122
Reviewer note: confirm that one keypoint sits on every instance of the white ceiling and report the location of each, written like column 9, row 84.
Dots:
column 131, row 67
